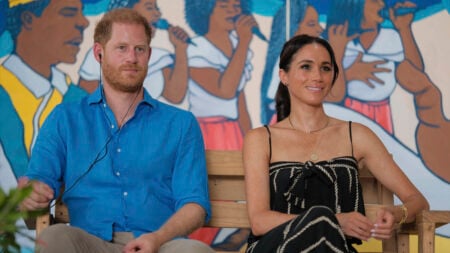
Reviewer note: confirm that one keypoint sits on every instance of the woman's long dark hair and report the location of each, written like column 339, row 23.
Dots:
column 290, row 48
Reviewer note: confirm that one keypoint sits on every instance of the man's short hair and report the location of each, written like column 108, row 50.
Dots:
column 103, row 29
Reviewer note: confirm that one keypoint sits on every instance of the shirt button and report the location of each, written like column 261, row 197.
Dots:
column 112, row 126
column 119, row 150
column 125, row 194
column 104, row 105
column 117, row 173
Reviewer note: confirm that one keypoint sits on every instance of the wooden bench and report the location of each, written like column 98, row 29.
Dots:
column 227, row 194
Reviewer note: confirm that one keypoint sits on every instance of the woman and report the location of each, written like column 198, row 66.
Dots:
column 167, row 73
column 304, row 19
column 302, row 173
column 219, row 69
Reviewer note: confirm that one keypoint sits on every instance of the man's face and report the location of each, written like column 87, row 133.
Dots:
column 58, row 32
column 125, row 57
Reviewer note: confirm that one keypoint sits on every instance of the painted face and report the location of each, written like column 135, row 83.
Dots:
column 225, row 13
column 149, row 9
column 125, row 57
column 372, row 17
column 59, row 30
column 310, row 74
column 310, row 23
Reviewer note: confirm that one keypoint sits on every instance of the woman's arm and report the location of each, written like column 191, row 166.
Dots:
column 372, row 153
column 256, row 166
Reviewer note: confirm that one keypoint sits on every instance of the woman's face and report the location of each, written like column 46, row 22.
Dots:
column 225, row 13
column 310, row 23
column 148, row 9
column 372, row 10
column 310, row 75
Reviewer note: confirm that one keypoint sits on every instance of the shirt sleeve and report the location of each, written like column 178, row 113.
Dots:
column 49, row 152
column 190, row 178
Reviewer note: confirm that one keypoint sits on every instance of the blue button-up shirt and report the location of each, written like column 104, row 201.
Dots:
column 128, row 179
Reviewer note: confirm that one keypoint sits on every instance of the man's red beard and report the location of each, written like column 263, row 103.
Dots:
column 125, row 82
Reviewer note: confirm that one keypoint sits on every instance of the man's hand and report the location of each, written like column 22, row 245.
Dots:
column 39, row 198
column 146, row 243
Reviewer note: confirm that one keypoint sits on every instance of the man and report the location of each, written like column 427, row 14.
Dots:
column 133, row 168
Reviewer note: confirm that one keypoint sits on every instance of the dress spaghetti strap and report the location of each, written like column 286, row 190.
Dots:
column 351, row 138
column 270, row 142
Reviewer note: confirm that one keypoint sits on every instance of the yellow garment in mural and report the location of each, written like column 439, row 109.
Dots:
column 13, row 3
column 31, row 110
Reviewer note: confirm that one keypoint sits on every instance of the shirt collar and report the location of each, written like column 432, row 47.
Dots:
column 35, row 83
column 98, row 96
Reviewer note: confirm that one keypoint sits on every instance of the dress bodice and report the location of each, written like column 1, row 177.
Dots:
column 297, row 186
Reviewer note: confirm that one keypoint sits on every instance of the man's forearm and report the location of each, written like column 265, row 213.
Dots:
column 182, row 223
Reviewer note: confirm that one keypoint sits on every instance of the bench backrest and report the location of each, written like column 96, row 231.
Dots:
column 227, row 194
column 227, row 190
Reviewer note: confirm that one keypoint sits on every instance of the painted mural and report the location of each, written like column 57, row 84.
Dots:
column 219, row 60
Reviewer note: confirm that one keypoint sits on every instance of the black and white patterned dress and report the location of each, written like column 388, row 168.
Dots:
column 316, row 191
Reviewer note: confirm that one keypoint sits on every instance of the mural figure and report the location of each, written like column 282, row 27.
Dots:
column 219, row 68
column 433, row 130
column 379, row 58
column 167, row 73
column 44, row 33
column 368, row 86
column 304, row 19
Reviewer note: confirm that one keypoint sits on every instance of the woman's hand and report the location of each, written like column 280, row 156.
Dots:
column 355, row 225
column 384, row 224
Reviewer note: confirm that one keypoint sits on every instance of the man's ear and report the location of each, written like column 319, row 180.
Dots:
column 149, row 53
column 98, row 52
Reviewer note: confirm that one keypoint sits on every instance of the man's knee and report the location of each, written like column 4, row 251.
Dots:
column 185, row 245
column 53, row 237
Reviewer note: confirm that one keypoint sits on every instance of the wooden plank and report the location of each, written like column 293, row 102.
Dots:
column 226, row 188
column 42, row 222
column 61, row 213
column 229, row 214
column 224, row 163
column 435, row 216
column 426, row 237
